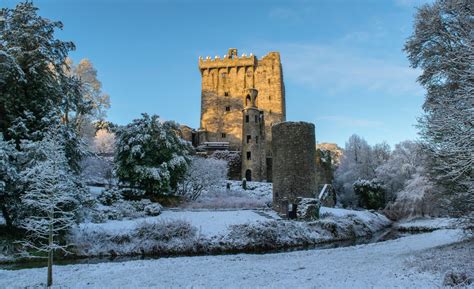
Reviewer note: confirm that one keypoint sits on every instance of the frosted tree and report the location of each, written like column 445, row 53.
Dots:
column 203, row 174
column 416, row 197
column 380, row 154
column 91, row 88
column 51, row 197
column 104, row 142
column 356, row 163
column 406, row 159
column 9, row 194
column 33, row 83
column 442, row 46
column 91, row 94
column 151, row 155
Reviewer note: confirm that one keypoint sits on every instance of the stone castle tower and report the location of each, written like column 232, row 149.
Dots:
column 226, row 84
column 253, row 139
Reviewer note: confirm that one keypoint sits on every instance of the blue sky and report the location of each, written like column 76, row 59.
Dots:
column 343, row 64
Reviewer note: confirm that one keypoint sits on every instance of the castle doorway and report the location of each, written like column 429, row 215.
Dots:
column 248, row 175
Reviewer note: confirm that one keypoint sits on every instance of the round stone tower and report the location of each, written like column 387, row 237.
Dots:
column 294, row 169
column 253, row 139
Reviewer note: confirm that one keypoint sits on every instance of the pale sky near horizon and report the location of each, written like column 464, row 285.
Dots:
column 343, row 64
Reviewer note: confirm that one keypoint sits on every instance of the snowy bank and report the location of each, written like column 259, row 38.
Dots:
column 205, row 232
column 377, row 265
column 426, row 225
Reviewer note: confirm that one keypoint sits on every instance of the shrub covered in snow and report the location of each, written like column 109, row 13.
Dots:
column 132, row 193
column 203, row 174
column 112, row 206
column 457, row 279
column 98, row 170
column 153, row 209
column 109, row 196
column 370, row 194
column 166, row 237
column 151, row 155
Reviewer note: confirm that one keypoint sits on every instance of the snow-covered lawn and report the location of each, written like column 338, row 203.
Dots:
column 209, row 223
column 377, row 265
column 257, row 195
column 215, row 222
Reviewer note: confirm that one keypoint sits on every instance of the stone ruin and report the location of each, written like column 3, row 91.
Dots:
column 294, row 170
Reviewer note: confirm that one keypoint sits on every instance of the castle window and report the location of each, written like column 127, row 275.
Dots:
column 246, row 118
column 249, row 137
column 269, row 81
column 256, row 139
column 226, row 93
column 227, row 108
column 269, row 97
column 249, row 156
column 256, row 118
column 223, row 135
column 270, row 112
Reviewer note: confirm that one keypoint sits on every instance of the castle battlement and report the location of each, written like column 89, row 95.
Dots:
column 233, row 60
column 227, row 61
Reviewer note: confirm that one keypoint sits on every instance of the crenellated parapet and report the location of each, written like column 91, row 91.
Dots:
column 227, row 61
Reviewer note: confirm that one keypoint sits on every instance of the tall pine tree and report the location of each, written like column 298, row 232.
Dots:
column 34, row 83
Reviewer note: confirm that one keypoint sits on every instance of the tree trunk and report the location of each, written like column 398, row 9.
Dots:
column 50, row 253
column 7, row 218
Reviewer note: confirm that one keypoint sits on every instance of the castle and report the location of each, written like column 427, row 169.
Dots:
column 241, row 98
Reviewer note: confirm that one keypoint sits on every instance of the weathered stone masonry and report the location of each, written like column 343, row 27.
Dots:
column 294, row 168
column 225, row 84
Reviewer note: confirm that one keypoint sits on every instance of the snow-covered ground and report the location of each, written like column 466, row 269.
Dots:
column 209, row 223
column 427, row 224
column 215, row 222
column 257, row 195
column 377, row 265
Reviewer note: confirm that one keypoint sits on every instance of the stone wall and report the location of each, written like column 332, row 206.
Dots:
column 224, row 85
column 294, row 170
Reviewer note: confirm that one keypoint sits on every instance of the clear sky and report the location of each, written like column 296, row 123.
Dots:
column 343, row 64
